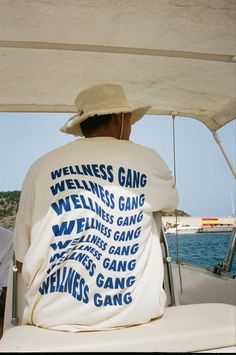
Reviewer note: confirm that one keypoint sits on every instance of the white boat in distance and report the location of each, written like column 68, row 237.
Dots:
column 183, row 229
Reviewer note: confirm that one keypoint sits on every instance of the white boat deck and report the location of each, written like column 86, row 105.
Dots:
column 189, row 328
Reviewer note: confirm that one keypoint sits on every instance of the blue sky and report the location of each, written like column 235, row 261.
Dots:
column 205, row 183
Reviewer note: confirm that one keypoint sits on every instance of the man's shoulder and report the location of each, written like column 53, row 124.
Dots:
column 51, row 155
column 146, row 151
column 140, row 147
column 46, row 160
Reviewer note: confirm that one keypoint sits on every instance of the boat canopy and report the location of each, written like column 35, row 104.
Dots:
column 177, row 55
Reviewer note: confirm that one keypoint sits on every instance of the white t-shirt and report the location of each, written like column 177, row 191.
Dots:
column 86, row 235
column 6, row 255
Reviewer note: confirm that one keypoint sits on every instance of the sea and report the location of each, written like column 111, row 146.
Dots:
column 206, row 249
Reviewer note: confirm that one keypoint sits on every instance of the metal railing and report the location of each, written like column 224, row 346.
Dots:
column 225, row 266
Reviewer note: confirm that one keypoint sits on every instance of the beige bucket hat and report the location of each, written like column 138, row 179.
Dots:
column 100, row 100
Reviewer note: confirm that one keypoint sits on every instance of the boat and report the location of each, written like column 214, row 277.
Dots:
column 177, row 55
column 182, row 228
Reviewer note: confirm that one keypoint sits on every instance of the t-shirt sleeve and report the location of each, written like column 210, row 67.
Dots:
column 164, row 196
column 22, row 230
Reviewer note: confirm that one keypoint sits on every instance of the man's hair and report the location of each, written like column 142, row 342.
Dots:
column 92, row 123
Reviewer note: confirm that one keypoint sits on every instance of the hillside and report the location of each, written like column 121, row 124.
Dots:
column 9, row 201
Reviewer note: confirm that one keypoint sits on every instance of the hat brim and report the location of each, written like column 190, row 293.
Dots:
column 72, row 126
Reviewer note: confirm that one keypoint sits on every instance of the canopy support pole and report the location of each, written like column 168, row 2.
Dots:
column 218, row 141
column 176, row 215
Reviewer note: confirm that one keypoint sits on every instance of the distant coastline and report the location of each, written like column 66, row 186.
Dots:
column 207, row 224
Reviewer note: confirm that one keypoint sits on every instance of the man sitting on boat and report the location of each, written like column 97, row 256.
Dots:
column 85, row 232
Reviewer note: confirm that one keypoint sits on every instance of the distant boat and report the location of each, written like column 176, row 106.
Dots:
column 183, row 229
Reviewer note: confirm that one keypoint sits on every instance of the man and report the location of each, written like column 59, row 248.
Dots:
column 6, row 255
column 85, row 231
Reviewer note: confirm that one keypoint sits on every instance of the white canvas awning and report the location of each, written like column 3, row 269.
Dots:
column 176, row 55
